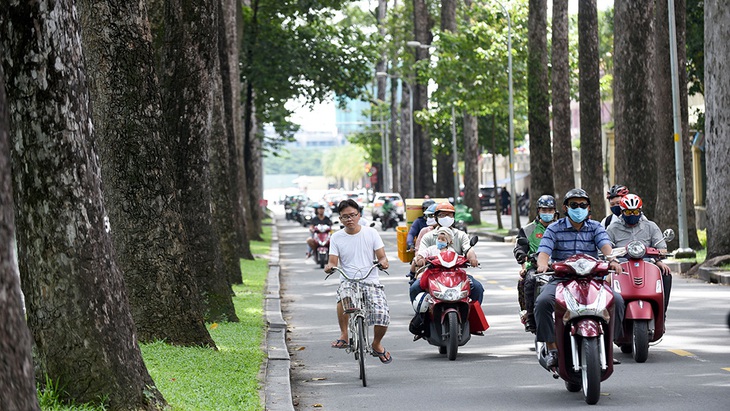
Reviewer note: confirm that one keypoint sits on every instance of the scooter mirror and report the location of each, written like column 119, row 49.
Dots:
column 372, row 224
column 473, row 241
column 668, row 234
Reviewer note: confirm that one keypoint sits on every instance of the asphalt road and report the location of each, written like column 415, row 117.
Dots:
column 688, row 369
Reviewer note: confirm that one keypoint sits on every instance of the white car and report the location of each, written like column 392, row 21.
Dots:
column 395, row 198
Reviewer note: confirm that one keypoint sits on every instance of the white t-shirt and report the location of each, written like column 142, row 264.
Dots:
column 357, row 252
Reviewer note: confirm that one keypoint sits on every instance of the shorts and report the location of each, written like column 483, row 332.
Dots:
column 377, row 308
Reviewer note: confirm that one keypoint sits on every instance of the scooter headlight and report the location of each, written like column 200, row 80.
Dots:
column 636, row 249
column 451, row 293
column 582, row 266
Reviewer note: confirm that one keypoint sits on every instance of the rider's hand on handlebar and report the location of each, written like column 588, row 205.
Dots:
column 615, row 265
column 541, row 268
column 328, row 268
column 521, row 256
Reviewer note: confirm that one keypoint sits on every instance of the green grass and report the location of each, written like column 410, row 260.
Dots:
column 491, row 227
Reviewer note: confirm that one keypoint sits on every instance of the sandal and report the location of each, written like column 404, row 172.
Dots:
column 339, row 344
column 384, row 356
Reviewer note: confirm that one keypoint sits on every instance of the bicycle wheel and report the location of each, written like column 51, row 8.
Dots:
column 360, row 326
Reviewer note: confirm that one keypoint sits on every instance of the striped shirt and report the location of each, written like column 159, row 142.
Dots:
column 561, row 240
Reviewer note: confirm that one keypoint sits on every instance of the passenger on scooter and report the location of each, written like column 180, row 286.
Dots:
column 421, row 223
column 319, row 218
column 431, row 224
column 574, row 234
column 445, row 219
column 533, row 232
column 614, row 195
column 631, row 226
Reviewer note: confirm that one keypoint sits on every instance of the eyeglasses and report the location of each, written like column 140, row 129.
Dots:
column 345, row 217
column 631, row 212
column 575, row 205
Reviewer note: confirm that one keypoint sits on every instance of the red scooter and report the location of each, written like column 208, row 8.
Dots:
column 322, row 234
column 451, row 316
column 583, row 326
column 641, row 287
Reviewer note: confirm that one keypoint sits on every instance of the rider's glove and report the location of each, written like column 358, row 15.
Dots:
column 521, row 256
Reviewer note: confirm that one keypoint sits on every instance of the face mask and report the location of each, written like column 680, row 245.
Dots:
column 616, row 210
column 430, row 221
column 446, row 221
column 631, row 219
column 441, row 245
column 546, row 217
column 577, row 214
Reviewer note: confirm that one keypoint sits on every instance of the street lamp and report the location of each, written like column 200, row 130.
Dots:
column 513, row 199
column 412, row 192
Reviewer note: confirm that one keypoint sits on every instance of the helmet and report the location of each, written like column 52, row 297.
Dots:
column 431, row 210
column 445, row 206
column 546, row 201
column 576, row 193
column 426, row 204
column 616, row 191
column 422, row 302
column 631, row 202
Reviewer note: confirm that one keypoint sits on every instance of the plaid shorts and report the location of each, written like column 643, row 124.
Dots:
column 377, row 305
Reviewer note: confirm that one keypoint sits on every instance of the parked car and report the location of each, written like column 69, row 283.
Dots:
column 333, row 198
column 487, row 197
column 359, row 197
column 395, row 198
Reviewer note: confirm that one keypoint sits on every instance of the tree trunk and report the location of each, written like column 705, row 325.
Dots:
column 406, row 173
column 562, row 147
column 538, row 100
column 423, row 168
column 471, row 167
column 497, row 208
column 591, row 152
column 634, row 112
column 444, row 174
column 717, row 127
column 17, row 377
column 252, row 157
column 395, row 158
column 139, row 185
column 78, row 312
column 190, row 39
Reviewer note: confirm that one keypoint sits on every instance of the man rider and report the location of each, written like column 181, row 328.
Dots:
column 533, row 232
column 614, row 195
column 319, row 218
column 445, row 218
column 631, row 226
column 574, row 234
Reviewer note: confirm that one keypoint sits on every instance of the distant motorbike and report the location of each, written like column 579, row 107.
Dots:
column 389, row 219
column 462, row 216
column 322, row 235
column 450, row 316
column 583, row 326
column 641, row 287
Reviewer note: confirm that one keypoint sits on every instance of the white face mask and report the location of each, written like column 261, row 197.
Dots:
column 430, row 221
column 446, row 221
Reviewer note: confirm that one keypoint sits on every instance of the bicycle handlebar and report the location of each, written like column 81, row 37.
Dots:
column 370, row 271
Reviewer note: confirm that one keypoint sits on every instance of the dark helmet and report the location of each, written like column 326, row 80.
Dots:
column 426, row 204
column 546, row 201
column 616, row 191
column 576, row 193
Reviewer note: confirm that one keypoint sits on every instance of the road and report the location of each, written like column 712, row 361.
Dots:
column 688, row 369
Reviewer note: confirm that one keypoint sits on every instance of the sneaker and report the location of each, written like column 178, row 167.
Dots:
column 552, row 359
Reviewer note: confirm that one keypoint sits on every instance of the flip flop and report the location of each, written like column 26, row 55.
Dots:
column 384, row 356
column 339, row 344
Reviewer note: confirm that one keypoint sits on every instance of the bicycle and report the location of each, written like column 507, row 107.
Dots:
column 352, row 296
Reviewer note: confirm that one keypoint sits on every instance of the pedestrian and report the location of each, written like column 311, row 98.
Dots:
column 505, row 200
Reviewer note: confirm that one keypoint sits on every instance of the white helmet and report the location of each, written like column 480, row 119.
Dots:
column 422, row 302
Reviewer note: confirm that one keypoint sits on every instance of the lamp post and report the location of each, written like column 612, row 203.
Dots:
column 411, row 188
column 513, row 194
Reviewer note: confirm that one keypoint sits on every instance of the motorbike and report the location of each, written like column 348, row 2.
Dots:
column 583, row 326
column 641, row 287
column 451, row 317
column 389, row 219
column 322, row 234
column 462, row 217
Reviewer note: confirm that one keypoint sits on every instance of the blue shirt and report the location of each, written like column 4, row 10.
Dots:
column 561, row 240
column 415, row 229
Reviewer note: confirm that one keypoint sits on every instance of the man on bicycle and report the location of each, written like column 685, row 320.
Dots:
column 354, row 249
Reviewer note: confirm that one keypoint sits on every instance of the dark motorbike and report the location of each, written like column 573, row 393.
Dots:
column 583, row 326
column 389, row 219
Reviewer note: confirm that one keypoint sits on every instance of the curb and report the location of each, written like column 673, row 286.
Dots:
column 277, row 384
column 714, row 275
column 494, row 237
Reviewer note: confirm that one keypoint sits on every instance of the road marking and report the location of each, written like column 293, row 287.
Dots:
column 683, row 353
column 727, row 369
column 492, row 282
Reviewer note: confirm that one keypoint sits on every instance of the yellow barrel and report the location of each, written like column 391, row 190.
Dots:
column 402, row 237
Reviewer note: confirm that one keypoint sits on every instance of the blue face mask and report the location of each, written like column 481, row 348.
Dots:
column 578, row 214
column 441, row 245
column 547, row 217
column 631, row 219
column 616, row 210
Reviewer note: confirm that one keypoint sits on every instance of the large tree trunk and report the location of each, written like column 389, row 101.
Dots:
column 717, row 127
column 471, row 167
column 393, row 136
column 252, row 157
column 423, row 168
column 538, row 100
column 190, row 39
column 666, row 215
column 634, row 112
column 139, row 185
column 17, row 377
column 406, row 173
column 591, row 158
column 78, row 310
column 562, row 147
column 444, row 174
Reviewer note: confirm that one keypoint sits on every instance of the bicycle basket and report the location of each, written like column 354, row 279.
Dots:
column 350, row 297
